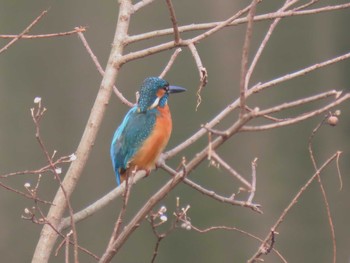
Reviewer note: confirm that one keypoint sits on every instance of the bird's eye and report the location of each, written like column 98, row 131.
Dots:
column 166, row 88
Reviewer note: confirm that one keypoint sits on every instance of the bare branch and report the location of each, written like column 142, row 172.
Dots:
column 177, row 37
column 323, row 190
column 214, row 228
column 212, row 194
column 262, row 249
column 272, row 27
column 311, row 2
column 300, row 118
column 231, row 170
column 170, row 63
column 237, row 21
column 221, row 25
column 36, row 20
column 23, row 194
column 136, row 7
column 61, row 34
column 37, row 116
column 99, row 204
column 54, row 222
column 203, row 74
column 168, row 45
column 100, row 70
column 245, row 56
column 296, row 103
column 141, row 214
column 48, row 236
column 253, row 189
column 259, row 87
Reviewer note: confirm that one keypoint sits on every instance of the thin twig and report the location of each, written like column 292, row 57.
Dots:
column 99, row 204
column 100, row 69
column 173, row 21
column 235, row 22
column 256, row 88
column 43, row 220
column 339, row 174
column 60, row 34
column 262, row 249
column 300, row 102
column 263, row 43
column 231, row 170
column 36, row 199
column 169, row 45
column 203, row 74
column 212, row 194
column 302, row 117
column 128, row 184
column 67, row 246
column 323, row 190
column 220, row 25
column 253, row 189
column 306, row 5
column 140, row 5
column 259, row 87
column 245, row 56
column 171, row 62
column 36, row 20
column 37, row 116
column 42, row 170
column 214, row 228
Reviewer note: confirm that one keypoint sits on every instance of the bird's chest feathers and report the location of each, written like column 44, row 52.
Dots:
column 150, row 150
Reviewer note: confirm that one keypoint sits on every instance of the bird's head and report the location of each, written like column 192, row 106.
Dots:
column 154, row 92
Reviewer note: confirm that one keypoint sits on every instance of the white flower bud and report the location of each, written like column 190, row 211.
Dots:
column 163, row 218
column 162, row 210
column 72, row 157
column 37, row 100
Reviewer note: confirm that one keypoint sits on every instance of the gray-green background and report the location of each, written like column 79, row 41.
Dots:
column 60, row 71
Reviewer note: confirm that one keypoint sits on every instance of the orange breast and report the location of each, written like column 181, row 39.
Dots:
column 148, row 154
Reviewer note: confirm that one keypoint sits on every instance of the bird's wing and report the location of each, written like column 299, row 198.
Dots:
column 129, row 137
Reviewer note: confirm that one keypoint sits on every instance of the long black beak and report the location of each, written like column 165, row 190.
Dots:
column 176, row 89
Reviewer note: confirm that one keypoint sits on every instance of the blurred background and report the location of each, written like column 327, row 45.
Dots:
column 60, row 71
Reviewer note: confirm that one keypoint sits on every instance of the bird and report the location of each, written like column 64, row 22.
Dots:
column 145, row 129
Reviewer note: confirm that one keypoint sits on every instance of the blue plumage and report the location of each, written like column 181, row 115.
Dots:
column 140, row 122
column 128, row 138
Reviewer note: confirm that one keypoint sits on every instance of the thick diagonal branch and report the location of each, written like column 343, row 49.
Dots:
column 48, row 235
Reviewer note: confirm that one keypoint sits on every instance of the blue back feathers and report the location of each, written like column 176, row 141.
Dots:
column 137, row 124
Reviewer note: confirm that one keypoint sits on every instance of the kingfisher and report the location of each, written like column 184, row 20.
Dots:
column 145, row 130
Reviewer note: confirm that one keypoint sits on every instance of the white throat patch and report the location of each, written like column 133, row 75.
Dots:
column 155, row 103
